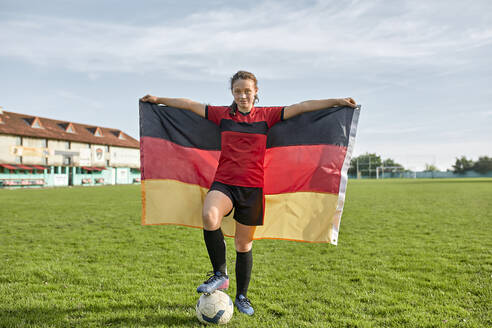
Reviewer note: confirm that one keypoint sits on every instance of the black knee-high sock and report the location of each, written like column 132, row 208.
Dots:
column 244, row 265
column 214, row 240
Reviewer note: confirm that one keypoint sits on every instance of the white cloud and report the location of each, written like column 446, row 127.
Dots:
column 392, row 131
column 276, row 38
column 82, row 101
column 487, row 113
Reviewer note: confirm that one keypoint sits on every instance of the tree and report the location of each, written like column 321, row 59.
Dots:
column 390, row 162
column 462, row 165
column 483, row 165
column 430, row 168
column 366, row 164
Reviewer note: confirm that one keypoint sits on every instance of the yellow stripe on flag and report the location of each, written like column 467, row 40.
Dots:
column 287, row 216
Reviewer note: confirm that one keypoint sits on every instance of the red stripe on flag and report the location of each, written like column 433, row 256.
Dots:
column 287, row 169
column 163, row 159
column 303, row 168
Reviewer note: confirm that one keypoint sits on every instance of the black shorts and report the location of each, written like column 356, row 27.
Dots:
column 248, row 202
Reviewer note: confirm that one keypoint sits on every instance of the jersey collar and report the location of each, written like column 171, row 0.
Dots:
column 246, row 114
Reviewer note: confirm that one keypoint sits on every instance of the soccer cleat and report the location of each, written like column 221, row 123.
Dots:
column 217, row 280
column 244, row 305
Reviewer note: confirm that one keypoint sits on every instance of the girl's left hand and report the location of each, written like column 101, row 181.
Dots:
column 347, row 102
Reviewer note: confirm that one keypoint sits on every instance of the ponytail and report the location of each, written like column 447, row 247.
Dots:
column 233, row 109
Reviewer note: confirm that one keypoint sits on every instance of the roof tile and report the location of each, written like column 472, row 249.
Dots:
column 20, row 125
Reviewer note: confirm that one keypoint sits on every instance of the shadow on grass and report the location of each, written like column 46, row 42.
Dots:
column 118, row 315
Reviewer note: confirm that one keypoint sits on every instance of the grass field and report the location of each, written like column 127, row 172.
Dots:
column 411, row 253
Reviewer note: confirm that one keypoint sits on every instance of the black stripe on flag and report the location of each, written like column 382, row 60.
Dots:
column 182, row 127
column 329, row 126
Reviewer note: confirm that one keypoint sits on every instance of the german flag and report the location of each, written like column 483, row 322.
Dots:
column 306, row 165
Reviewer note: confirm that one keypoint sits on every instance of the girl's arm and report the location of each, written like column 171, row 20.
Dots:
column 312, row 105
column 182, row 103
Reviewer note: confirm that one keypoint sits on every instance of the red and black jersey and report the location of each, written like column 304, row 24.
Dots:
column 243, row 143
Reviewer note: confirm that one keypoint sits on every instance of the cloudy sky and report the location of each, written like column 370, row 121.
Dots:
column 422, row 70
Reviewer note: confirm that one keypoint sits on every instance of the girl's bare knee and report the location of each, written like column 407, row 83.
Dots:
column 243, row 244
column 210, row 218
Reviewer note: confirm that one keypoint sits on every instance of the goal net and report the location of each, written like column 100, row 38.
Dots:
column 385, row 172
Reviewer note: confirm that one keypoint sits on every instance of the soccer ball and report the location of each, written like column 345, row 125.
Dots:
column 214, row 308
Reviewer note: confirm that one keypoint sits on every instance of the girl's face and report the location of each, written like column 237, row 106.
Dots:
column 244, row 92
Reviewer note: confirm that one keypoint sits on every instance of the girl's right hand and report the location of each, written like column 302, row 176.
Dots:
column 149, row 98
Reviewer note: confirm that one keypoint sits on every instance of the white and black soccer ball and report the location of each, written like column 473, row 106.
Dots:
column 214, row 308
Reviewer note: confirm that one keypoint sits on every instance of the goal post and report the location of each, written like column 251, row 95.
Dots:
column 394, row 172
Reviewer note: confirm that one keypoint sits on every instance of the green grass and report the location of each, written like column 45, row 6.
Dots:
column 411, row 253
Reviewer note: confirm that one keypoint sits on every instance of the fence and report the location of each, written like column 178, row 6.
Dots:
column 426, row 175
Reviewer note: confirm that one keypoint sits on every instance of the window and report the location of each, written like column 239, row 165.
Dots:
column 67, row 127
column 60, row 169
column 70, row 128
column 18, row 142
column 36, row 123
column 96, row 131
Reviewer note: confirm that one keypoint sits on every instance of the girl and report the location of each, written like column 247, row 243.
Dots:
column 238, row 181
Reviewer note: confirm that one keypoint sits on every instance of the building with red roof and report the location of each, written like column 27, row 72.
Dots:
column 38, row 151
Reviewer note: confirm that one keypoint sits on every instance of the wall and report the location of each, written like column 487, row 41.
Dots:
column 23, row 175
column 54, row 145
column 124, row 157
column 125, row 161
column 99, row 155
column 6, row 144
column 84, row 154
column 57, row 176
column 36, row 143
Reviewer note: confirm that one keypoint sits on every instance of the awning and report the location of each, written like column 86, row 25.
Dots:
column 24, row 167
column 7, row 166
column 38, row 167
column 95, row 168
